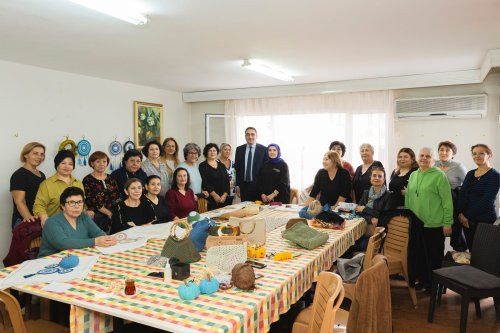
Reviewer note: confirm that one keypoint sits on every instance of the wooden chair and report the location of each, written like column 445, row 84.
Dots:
column 396, row 250
column 16, row 318
column 202, row 205
column 373, row 248
column 294, row 195
column 36, row 243
column 480, row 279
column 320, row 316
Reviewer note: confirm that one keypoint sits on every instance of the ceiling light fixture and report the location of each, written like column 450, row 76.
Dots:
column 117, row 9
column 266, row 70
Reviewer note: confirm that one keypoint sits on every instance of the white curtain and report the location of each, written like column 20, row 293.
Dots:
column 304, row 126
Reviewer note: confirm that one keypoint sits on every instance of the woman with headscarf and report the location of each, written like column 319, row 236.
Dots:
column 273, row 183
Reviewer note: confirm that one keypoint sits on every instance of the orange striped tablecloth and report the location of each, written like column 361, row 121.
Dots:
column 157, row 304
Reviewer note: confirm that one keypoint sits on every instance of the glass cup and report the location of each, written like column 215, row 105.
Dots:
column 130, row 287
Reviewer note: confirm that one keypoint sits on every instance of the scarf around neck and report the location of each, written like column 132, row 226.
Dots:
column 372, row 196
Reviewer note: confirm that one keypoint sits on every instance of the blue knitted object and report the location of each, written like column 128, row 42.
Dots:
column 199, row 233
column 305, row 215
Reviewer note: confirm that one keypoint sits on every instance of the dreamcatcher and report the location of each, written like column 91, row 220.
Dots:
column 83, row 148
column 115, row 150
column 68, row 144
column 128, row 145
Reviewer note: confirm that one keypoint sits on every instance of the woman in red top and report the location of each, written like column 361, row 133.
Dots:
column 180, row 198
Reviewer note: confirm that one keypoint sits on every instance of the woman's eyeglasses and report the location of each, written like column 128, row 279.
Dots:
column 72, row 203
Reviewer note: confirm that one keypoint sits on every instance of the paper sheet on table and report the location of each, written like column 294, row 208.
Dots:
column 57, row 287
column 125, row 243
column 149, row 231
column 34, row 266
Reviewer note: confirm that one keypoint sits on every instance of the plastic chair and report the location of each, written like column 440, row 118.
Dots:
column 480, row 279
column 16, row 318
column 202, row 205
column 320, row 316
column 396, row 250
column 372, row 249
column 371, row 309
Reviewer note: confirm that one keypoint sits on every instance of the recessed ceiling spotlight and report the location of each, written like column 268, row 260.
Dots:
column 266, row 70
column 116, row 8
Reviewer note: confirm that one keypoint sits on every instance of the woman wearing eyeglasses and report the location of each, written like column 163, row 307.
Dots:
column 476, row 201
column 70, row 228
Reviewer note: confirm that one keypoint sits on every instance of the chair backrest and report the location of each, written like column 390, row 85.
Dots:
column 202, row 205
column 486, row 248
column 396, row 241
column 372, row 300
column 328, row 296
column 14, row 311
column 36, row 243
column 373, row 248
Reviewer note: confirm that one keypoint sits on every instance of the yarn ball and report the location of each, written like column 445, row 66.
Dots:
column 188, row 290
column 193, row 217
column 69, row 261
column 243, row 276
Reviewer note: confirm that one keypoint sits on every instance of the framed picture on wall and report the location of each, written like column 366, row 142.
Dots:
column 148, row 123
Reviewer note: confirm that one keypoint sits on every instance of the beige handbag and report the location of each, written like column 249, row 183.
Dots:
column 235, row 213
column 253, row 228
column 223, row 239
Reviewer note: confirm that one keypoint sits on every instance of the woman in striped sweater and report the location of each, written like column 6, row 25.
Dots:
column 476, row 202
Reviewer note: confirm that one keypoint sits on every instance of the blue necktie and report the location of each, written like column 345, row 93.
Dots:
column 248, row 170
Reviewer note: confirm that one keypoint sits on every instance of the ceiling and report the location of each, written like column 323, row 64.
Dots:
column 198, row 45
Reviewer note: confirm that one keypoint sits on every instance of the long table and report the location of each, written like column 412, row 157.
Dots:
column 158, row 305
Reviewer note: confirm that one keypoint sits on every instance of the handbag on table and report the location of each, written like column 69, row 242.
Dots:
column 254, row 229
column 223, row 258
column 199, row 233
column 305, row 236
column 180, row 248
column 226, row 239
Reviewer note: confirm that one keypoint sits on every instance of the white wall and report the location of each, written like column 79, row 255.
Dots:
column 198, row 111
column 45, row 105
column 462, row 132
column 418, row 133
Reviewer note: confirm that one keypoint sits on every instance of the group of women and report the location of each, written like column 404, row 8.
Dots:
column 160, row 188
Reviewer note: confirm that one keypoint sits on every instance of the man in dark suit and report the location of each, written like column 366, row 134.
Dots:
column 248, row 160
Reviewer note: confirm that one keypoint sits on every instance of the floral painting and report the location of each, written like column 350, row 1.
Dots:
column 148, row 123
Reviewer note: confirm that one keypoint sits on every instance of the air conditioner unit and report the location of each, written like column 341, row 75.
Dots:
column 457, row 107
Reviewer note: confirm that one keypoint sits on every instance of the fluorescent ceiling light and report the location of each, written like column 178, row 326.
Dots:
column 119, row 9
column 266, row 70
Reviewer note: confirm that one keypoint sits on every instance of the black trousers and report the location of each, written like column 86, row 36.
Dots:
column 248, row 191
column 434, row 248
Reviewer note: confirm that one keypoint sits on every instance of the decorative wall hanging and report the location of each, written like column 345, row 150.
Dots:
column 68, row 144
column 115, row 150
column 148, row 123
column 83, row 148
column 128, row 145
